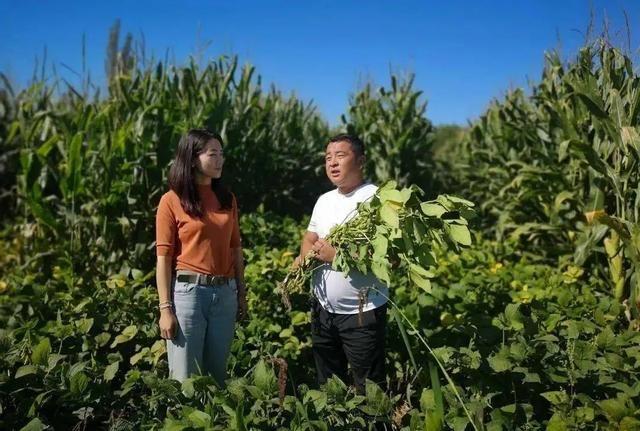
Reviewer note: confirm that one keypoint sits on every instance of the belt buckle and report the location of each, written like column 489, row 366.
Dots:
column 201, row 279
column 210, row 280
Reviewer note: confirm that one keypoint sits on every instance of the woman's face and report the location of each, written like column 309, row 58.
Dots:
column 209, row 161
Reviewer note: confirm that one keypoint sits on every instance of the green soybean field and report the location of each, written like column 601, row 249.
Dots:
column 511, row 247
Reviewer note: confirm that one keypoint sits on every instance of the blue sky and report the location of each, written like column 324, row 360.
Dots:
column 464, row 53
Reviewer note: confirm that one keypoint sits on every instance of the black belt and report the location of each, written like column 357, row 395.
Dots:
column 203, row 279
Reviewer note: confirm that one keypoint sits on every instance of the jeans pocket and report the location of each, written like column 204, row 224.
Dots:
column 313, row 305
column 380, row 314
column 183, row 288
column 233, row 285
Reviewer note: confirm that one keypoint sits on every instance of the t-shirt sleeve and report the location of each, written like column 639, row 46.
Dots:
column 235, row 232
column 314, row 223
column 166, row 227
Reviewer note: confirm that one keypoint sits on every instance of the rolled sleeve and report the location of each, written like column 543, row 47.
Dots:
column 166, row 227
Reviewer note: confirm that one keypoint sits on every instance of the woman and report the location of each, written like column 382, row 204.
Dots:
column 200, row 271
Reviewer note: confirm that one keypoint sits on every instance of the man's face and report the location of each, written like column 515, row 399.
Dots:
column 342, row 165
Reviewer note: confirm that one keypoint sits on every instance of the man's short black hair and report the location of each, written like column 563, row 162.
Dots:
column 357, row 146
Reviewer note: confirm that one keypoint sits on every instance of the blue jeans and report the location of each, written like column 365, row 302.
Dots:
column 206, row 322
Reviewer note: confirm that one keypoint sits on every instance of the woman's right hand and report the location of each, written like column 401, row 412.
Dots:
column 168, row 323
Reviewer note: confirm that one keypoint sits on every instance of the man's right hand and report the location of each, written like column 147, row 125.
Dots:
column 168, row 323
column 323, row 251
column 308, row 241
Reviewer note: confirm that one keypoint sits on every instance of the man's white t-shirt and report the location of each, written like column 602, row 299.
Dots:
column 335, row 292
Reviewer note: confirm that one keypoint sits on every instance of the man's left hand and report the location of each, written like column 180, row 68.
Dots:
column 324, row 251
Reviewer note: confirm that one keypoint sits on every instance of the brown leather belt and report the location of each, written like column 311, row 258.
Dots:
column 202, row 279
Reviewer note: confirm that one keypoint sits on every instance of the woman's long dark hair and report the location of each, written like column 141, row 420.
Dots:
column 182, row 175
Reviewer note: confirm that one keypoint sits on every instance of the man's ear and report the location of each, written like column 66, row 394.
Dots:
column 361, row 161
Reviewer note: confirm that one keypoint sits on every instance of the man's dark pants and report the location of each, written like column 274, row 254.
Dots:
column 349, row 339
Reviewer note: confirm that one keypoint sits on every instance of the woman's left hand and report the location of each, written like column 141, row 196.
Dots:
column 243, row 308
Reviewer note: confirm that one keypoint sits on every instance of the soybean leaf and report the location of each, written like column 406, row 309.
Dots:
column 78, row 383
column 460, row 234
column 391, row 195
column 110, row 371
column 40, row 353
column 422, row 283
column 34, row 424
column 389, row 215
column 432, row 209
column 379, row 267
column 25, row 370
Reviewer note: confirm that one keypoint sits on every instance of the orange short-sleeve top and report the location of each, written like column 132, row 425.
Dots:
column 201, row 245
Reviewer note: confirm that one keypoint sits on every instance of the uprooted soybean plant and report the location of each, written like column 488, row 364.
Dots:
column 393, row 232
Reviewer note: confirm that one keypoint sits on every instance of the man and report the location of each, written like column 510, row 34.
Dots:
column 340, row 336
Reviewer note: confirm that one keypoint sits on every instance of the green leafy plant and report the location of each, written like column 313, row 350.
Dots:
column 393, row 232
